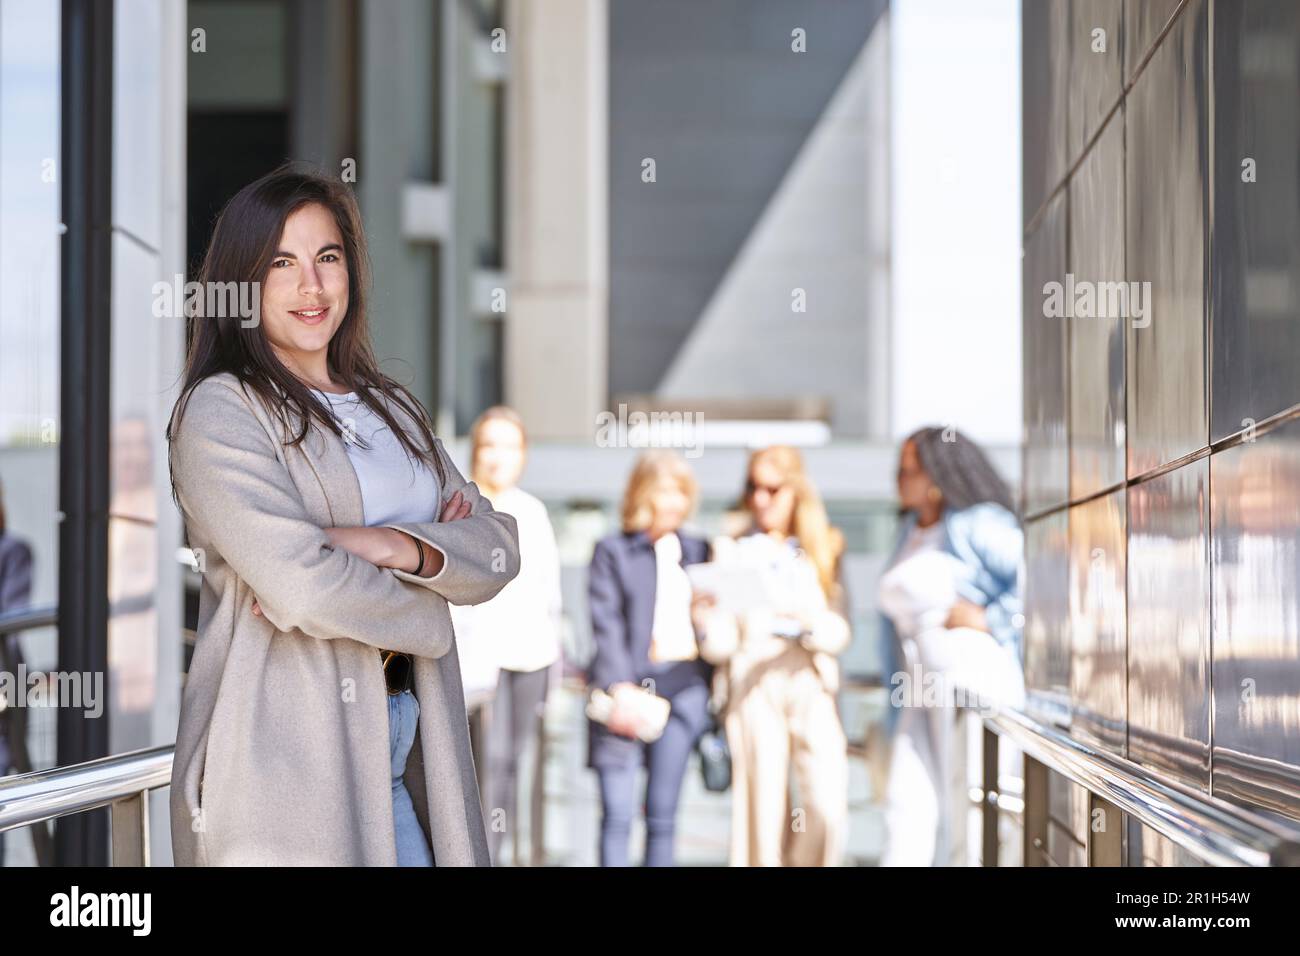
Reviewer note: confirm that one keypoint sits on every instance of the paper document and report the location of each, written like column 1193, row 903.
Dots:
column 736, row 587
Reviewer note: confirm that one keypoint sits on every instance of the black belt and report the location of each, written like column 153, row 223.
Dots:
column 399, row 671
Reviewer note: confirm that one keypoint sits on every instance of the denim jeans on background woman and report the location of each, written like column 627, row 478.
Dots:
column 665, row 760
column 403, row 720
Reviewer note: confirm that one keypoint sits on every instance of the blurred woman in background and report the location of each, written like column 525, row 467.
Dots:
column 641, row 623
column 511, row 641
column 781, row 674
column 15, row 595
column 951, row 602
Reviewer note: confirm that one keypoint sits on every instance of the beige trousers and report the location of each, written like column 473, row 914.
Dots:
column 780, row 718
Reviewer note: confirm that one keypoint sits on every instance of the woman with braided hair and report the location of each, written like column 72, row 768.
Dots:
column 951, row 602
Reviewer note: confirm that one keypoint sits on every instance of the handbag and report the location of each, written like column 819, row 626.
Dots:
column 649, row 711
column 715, row 757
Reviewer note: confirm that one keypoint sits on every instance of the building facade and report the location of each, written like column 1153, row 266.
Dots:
column 1161, row 401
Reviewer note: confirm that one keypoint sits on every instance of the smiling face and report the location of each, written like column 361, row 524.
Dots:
column 499, row 454
column 669, row 505
column 305, row 292
column 771, row 496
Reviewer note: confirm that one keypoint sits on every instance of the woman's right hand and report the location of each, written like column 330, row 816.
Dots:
column 967, row 614
column 621, row 721
column 702, row 603
column 455, row 508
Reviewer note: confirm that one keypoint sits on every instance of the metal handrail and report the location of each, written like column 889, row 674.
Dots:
column 61, row 791
column 1212, row 830
column 29, row 618
column 121, row 781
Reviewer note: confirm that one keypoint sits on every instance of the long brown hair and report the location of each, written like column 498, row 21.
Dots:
column 818, row 538
column 244, row 241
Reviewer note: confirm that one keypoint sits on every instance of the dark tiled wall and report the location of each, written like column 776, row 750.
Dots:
column 1162, row 452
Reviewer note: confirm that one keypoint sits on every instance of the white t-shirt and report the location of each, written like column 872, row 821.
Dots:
column 519, row 629
column 394, row 486
column 672, row 635
column 919, row 588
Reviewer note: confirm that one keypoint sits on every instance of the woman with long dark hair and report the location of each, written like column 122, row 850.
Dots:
column 950, row 598
column 332, row 531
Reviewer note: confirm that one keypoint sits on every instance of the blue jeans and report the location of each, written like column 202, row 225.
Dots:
column 403, row 721
column 665, row 762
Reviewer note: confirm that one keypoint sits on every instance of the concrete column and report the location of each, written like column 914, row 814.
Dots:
column 556, row 352
column 397, row 90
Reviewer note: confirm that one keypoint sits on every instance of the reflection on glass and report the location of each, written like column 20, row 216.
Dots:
column 1256, row 262
column 1095, row 67
column 29, row 375
column 1046, row 463
column 1255, row 560
column 1097, row 409
column 1143, row 21
column 132, row 583
column 1045, row 58
column 1169, row 623
column 1166, row 122
column 29, row 216
column 1047, row 617
column 1097, row 621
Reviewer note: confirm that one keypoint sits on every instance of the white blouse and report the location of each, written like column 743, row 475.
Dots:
column 394, row 486
column 519, row 629
column 672, row 635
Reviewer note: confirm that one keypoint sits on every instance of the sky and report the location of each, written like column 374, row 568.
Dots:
column 956, row 216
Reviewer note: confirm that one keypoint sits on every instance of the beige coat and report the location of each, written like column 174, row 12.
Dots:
column 781, row 716
column 282, row 752
column 737, row 644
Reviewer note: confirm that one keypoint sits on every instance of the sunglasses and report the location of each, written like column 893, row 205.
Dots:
column 752, row 486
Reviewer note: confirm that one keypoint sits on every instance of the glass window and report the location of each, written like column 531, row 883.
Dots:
column 29, row 377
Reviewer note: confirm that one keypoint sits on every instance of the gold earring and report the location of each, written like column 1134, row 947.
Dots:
column 934, row 494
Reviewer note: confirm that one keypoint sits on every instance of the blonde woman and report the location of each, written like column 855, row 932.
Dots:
column 510, row 642
column 778, row 672
column 641, row 622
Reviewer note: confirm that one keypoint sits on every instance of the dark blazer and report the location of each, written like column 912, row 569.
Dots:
column 621, row 592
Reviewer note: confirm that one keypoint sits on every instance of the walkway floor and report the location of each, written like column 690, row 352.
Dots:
column 572, row 823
